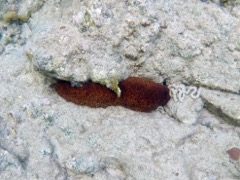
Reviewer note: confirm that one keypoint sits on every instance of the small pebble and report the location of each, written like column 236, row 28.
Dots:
column 234, row 153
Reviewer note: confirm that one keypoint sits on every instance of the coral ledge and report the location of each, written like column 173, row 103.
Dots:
column 139, row 94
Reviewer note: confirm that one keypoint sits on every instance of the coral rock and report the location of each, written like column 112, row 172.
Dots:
column 139, row 94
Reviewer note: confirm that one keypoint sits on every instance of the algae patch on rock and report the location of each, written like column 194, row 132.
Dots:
column 14, row 16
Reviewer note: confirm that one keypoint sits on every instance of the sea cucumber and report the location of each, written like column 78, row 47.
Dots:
column 139, row 94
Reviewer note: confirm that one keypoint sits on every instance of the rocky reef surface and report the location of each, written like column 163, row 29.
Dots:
column 191, row 46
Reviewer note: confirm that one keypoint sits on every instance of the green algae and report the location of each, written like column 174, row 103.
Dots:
column 13, row 16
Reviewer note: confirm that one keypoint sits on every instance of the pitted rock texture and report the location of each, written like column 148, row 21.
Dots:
column 194, row 43
column 226, row 106
column 102, row 41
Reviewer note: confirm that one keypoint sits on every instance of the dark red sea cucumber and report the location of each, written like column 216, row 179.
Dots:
column 139, row 94
column 90, row 94
column 142, row 94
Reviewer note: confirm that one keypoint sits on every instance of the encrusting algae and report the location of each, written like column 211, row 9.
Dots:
column 14, row 16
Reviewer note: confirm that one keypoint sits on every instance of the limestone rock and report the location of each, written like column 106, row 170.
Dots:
column 222, row 104
column 62, row 52
column 187, row 112
column 195, row 43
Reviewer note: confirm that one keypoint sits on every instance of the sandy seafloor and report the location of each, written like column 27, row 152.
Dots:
column 188, row 43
